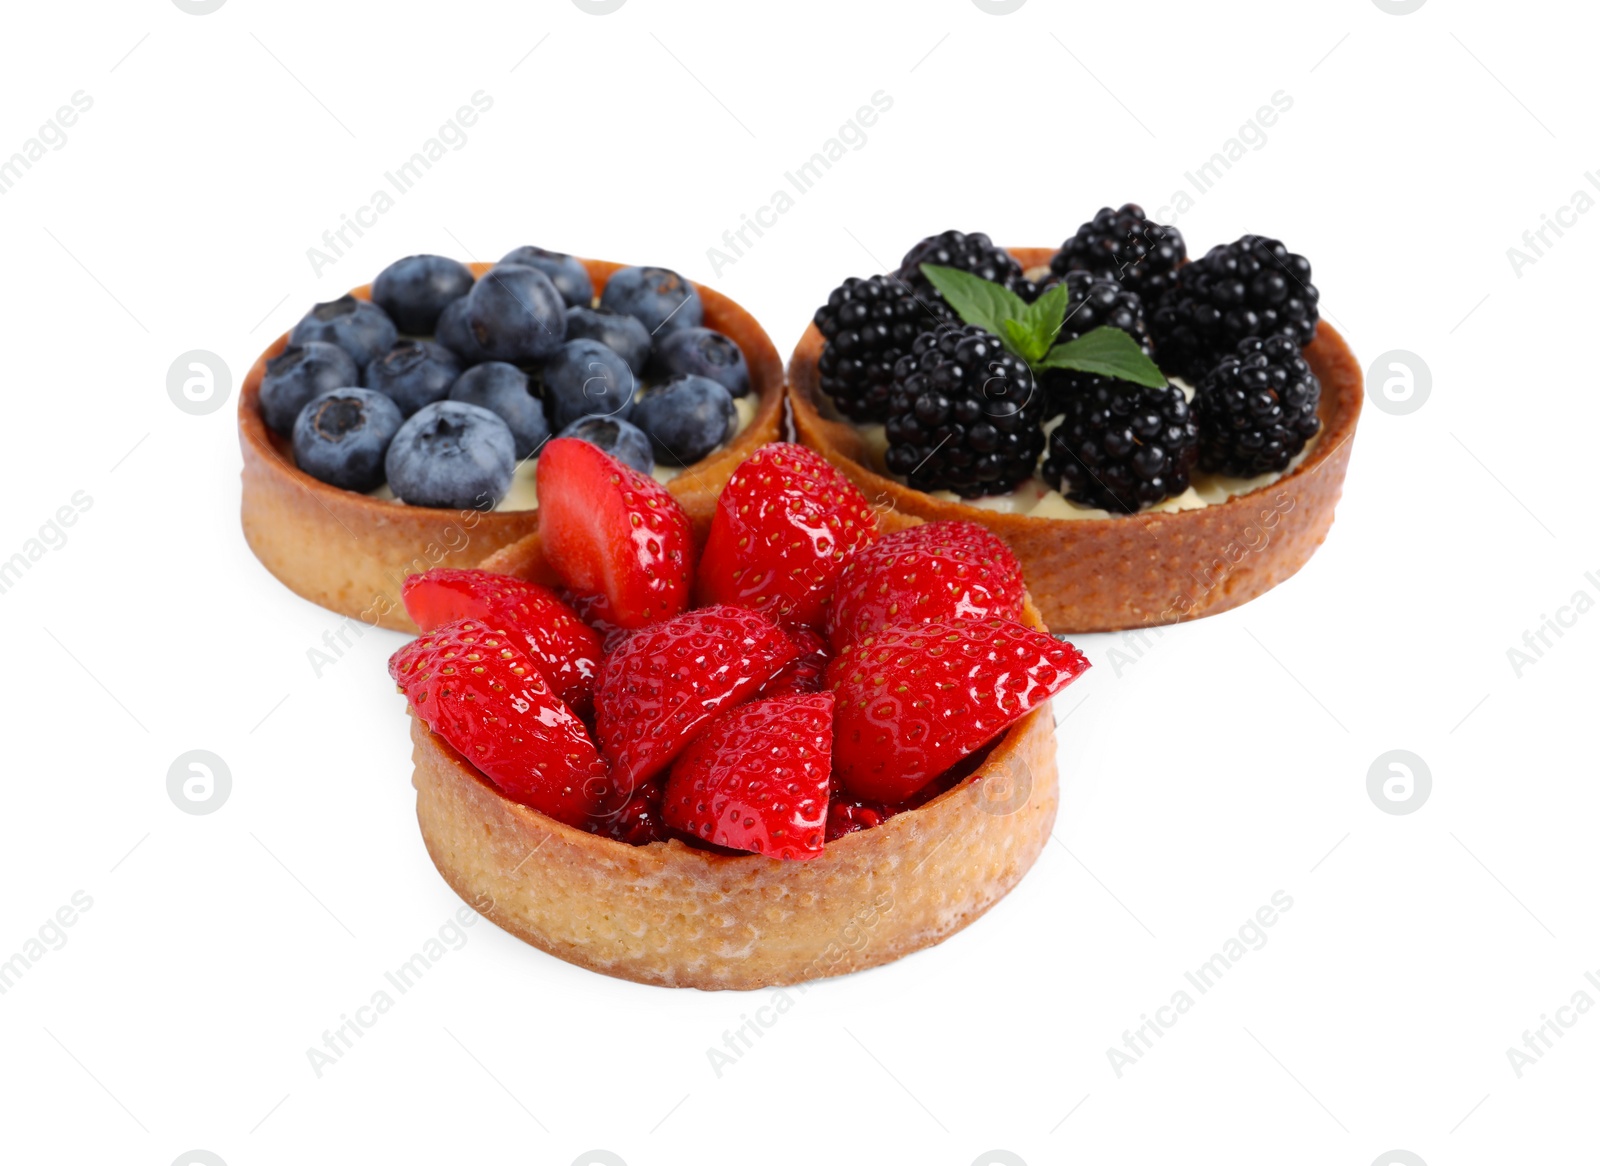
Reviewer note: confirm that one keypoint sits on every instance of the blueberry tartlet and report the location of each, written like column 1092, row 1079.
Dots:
column 398, row 428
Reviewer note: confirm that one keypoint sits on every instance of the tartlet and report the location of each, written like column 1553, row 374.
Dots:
column 674, row 915
column 1138, row 570
column 350, row 552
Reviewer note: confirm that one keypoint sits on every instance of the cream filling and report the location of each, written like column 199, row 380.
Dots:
column 1038, row 500
column 523, row 493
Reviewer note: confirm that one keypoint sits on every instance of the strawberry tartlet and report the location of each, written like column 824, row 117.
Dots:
column 802, row 749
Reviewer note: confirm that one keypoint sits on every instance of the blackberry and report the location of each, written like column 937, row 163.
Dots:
column 1097, row 302
column 1092, row 302
column 1123, row 446
column 1257, row 408
column 975, row 253
column 868, row 324
column 1127, row 247
column 1253, row 287
column 964, row 415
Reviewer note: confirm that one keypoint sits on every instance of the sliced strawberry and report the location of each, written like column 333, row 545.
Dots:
column 564, row 649
column 915, row 699
column 611, row 532
column 806, row 672
column 939, row 570
column 757, row 778
column 585, row 607
column 482, row 693
column 665, row 682
column 783, row 528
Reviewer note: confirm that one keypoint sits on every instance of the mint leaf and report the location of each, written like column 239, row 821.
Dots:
column 976, row 300
column 1021, row 340
column 1107, row 352
column 1042, row 320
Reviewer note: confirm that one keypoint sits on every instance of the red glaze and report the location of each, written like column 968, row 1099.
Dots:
column 563, row 648
column 483, row 694
column 914, row 700
column 664, row 683
column 783, row 528
column 939, row 570
column 638, row 822
column 757, row 778
column 848, row 815
column 805, row 674
column 612, row 533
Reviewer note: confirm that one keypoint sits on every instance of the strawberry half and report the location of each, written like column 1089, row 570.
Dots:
column 939, row 570
column 665, row 682
column 915, row 699
column 564, row 649
column 611, row 532
column 757, row 779
column 481, row 692
column 783, row 528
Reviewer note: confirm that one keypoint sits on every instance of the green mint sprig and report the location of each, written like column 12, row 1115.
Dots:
column 1030, row 330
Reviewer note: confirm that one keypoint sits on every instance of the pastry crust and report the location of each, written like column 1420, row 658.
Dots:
column 673, row 915
column 350, row 552
column 1096, row 575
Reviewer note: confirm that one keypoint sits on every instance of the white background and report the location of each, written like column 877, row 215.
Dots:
column 1227, row 762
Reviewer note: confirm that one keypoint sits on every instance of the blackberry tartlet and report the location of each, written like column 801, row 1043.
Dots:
column 1193, row 420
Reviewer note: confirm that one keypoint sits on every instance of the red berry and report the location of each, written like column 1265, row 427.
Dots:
column 783, row 528
column 481, row 692
column 848, row 815
column 915, row 699
column 665, row 682
column 611, row 532
column 757, row 778
column 939, row 570
column 563, row 648
column 639, row 822
column 806, row 672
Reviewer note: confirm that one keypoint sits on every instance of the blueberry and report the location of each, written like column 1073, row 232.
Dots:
column 503, row 390
column 414, row 373
column 569, row 275
column 516, row 314
column 585, row 377
column 414, row 290
column 621, row 439
column 452, row 455
column 704, row 352
column 341, row 437
column 686, row 418
column 301, row 372
column 452, row 332
column 663, row 301
column 624, row 335
column 358, row 327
